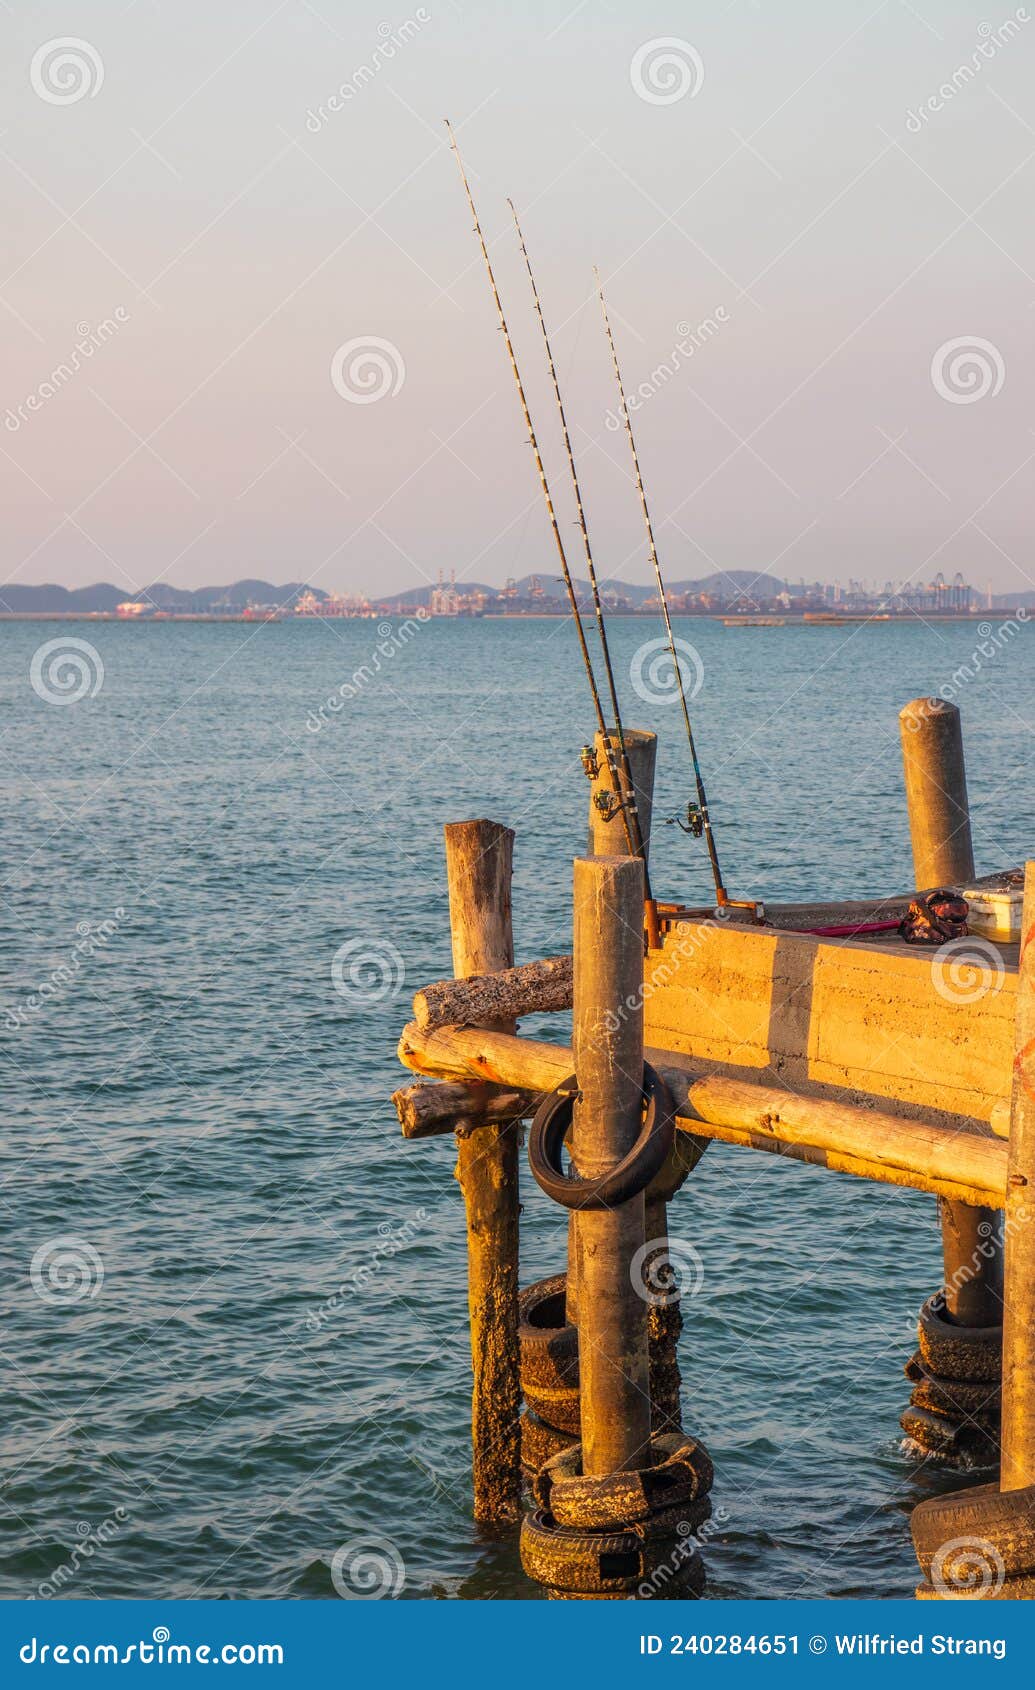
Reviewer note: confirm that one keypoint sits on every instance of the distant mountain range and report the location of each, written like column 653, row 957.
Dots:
column 50, row 599
column 47, row 599
column 729, row 584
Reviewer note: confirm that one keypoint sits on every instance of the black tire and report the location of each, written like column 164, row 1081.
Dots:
column 681, row 1473
column 958, row 1352
column 961, row 1399
column 950, row 1439
column 687, row 1585
column 629, row 1177
column 1003, row 1520
column 549, row 1346
column 563, row 1558
column 540, row 1441
column 558, row 1407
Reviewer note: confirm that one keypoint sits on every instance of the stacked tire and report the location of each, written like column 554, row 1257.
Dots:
column 630, row 1535
column 549, row 1374
column 549, row 1348
column 954, row 1407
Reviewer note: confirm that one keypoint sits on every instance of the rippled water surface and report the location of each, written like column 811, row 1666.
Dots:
column 193, row 1100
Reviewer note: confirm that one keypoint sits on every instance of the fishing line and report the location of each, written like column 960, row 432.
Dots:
column 587, row 548
column 551, row 513
column 701, row 816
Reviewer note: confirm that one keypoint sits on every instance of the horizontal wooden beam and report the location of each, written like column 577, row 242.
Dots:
column 427, row 1110
column 484, row 998
column 887, row 1148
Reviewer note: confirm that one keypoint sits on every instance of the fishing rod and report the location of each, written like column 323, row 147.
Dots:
column 622, row 804
column 587, row 548
column 698, row 818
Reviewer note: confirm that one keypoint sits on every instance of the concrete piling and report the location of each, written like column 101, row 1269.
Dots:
column 943, row 855
column 979, row 1544
column 1018, row 1433
column 608, row 1051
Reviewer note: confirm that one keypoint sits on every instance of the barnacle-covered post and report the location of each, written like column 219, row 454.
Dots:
column 943, row 855
column 479, row 857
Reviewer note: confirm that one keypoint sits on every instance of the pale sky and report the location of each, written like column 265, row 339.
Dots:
column 860, row 409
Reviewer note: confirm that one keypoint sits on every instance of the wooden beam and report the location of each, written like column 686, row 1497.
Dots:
column 484, row 999
column 430, row 1110
column 873, row 1144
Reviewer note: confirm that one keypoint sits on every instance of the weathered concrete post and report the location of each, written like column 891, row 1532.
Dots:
column 980, row 1543
column 607, row 838
column 936, row 793
column 607, row 1049
column 479, row 857
column 943, row 855
column 1018, row 1435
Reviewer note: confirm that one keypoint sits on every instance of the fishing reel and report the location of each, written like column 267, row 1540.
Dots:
column 610, row 806
column 590, row 762
column 692, row 821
